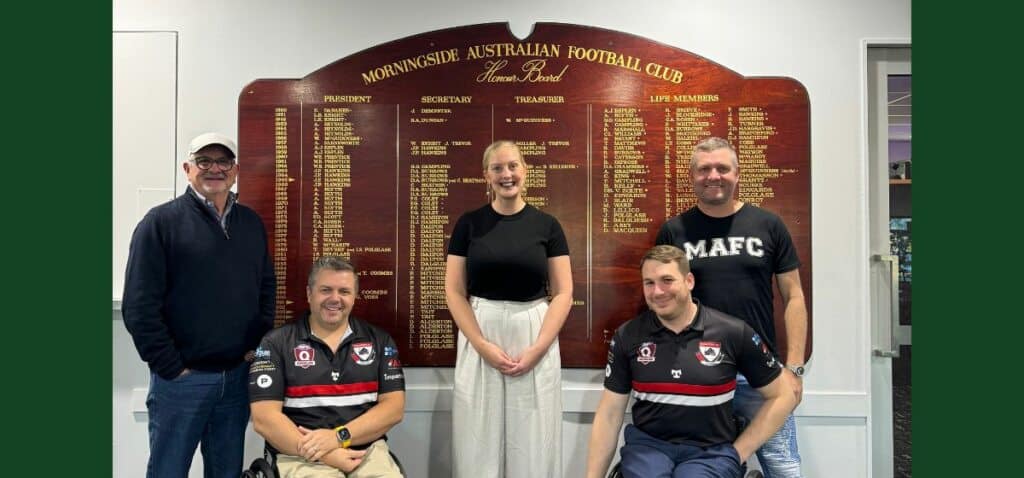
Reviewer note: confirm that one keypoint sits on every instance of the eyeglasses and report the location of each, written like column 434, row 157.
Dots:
column 205, row 163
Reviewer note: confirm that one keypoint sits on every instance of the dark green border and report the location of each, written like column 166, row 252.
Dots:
column 967, row 263
column 56, row 239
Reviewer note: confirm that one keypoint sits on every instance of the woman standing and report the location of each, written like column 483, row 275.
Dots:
column 505, row 260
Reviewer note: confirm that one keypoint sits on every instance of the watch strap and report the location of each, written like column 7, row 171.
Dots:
column 347, row 440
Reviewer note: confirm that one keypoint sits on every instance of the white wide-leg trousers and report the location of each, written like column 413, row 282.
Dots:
column 507, row 427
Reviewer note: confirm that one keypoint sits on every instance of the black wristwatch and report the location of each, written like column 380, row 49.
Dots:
column 344, row 436
column 797, row 370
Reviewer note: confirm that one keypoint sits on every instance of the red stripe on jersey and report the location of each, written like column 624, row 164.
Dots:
column 684, row 388
column 330, row 390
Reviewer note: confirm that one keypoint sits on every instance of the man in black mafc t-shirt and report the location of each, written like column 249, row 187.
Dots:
column 735, row 250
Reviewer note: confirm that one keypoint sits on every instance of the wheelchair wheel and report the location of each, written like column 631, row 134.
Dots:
column 260, row 469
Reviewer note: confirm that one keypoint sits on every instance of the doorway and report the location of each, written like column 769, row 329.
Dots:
column 890, row 176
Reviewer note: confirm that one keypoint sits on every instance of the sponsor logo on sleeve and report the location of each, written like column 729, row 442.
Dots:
column 261, row 366
column 264, row 381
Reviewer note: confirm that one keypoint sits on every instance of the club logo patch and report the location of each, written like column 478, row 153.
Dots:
column 710, row 353
column 304, row 356
column 645, row 353
column 362, row 353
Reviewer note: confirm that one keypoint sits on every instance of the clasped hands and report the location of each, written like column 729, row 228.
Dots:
column 511, row 366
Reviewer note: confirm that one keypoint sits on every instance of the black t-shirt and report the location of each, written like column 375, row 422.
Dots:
column 507, row 256
column 733, row 260
column 684, row 383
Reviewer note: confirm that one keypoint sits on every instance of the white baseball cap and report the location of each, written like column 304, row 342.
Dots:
column 206, row 139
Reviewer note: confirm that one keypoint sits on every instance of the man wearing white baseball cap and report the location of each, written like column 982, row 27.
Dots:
column 214, row 184
column 199, row 295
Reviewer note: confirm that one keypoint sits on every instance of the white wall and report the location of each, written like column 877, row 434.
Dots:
column 144, row 86
column 225, row 45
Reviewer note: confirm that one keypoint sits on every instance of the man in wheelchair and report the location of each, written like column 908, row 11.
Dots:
column 326, row 388
column 680, row 360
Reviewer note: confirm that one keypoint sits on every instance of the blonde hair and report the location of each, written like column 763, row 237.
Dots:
column 489, row 153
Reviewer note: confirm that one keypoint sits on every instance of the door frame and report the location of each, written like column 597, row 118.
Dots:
column 879, row 58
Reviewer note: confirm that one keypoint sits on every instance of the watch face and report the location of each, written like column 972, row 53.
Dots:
column 799, row 371
column 344, row 435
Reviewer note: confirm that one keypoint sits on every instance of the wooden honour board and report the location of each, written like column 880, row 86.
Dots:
column 376, row 155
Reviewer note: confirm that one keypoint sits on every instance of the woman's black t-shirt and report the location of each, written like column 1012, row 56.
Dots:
column 507, row 256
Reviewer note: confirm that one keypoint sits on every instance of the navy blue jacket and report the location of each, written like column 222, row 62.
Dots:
column 197, row 295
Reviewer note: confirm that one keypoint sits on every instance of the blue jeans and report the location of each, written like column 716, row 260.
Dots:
column 211, row 408
column 644, row 456
column 779, row 456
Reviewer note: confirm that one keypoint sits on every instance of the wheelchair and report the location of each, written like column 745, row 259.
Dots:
column 617, row 473
column 741, row 424
column 266, row 466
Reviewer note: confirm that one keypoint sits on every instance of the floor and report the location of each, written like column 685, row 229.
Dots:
column 901, row 413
